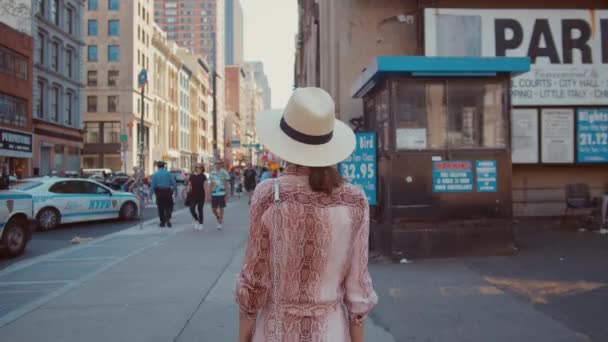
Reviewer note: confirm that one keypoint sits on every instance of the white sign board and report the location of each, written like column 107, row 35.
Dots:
column 411, row 138
column 524, row 135
column 568, row 49
column 557, row 126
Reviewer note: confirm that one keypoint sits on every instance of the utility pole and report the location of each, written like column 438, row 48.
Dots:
column 214, row 86
column 142, row 80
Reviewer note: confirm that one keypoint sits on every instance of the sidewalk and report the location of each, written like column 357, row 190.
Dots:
column 136, row 285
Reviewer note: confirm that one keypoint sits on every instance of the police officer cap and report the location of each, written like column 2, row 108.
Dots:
column 161, row 164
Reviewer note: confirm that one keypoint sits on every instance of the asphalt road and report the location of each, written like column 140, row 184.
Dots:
column 50, row 241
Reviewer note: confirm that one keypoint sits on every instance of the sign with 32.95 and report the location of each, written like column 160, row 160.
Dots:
column 360, row 167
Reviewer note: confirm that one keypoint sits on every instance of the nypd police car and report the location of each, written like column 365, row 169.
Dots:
column 16, row 224
column 69, row 200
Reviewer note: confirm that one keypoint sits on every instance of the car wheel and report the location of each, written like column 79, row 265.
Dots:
column 48, row 218
column 14, row 237
column 128, row 211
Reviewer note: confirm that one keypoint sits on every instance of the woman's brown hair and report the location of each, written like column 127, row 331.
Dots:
column 325, row 179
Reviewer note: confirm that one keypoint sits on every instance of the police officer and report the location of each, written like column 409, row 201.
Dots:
column 163, row 185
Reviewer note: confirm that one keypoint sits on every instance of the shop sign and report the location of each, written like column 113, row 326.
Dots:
column 15, row 144
column 360, row 168
column 524, row 135
column 452, row 176
column 568, row 49
column 411, row 138
column 486, row 172
column 592, row 135
column 557, row 126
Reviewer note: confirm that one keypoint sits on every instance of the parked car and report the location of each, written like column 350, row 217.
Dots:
column 67, row 200
column 16, row 221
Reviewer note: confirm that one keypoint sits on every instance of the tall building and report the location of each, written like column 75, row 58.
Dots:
column 119, row 45
column 199, row 27
column 234, row 32
column 16, row 63
column 57, row 31
column 262, row 80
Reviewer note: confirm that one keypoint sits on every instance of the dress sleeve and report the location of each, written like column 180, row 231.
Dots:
column 253, row 282
column 360, row 296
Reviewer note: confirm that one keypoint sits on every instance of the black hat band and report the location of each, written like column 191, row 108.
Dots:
column 303, row 137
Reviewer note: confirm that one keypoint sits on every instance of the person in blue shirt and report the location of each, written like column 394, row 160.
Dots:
column 162, row 185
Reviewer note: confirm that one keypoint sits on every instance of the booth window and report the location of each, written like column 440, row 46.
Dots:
column 438, row 114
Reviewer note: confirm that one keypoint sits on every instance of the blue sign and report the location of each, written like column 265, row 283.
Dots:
column 592, row 135
column 486, row 172
column 360, row 167
column 235, row 143
column 452, row 176
column 142, row 78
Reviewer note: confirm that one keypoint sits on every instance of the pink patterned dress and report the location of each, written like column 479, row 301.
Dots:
column 323, row 278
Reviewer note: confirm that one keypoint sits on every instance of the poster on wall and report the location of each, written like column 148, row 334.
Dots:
column 592, row 135
column 524, row 136
column 487, row 175
column 557, row 127
column 567, row 49
column 411, row 138
column 452, row 176
column 360, row 168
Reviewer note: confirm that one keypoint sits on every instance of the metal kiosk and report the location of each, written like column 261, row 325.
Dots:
column 444, row 152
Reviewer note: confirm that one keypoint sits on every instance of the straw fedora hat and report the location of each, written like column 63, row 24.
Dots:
column 306, row 132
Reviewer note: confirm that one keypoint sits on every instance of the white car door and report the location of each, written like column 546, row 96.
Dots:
column 100, row 204
column 61, row 197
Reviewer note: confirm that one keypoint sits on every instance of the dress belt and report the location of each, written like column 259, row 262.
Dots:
column 299, row 309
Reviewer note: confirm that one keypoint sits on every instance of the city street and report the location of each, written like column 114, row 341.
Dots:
column 177, row 285
column 44, row 242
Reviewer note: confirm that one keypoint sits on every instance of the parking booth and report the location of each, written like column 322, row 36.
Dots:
column 443, row 152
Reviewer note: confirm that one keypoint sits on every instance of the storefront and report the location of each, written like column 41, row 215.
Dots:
column 15, row 151
column 443, row 146
column 559, row 120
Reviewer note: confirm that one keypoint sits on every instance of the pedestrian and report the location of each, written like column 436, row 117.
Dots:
column 250, row 180
column 266, row 174
column 219, row 180
column 305, row 275
column 232, row 181
column 196, row 189
column 162, row 185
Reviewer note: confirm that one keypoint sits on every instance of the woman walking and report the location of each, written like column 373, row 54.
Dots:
column 197, row 184
column 305, row 276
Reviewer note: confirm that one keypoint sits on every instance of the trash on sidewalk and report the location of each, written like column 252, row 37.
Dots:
column 405, row 261
column 582, row 230
column 79, row 239
column 603, row 231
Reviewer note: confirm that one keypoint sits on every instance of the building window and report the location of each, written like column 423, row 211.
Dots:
column 68, row 62
column 41, row 7
column 68, row 109
column 13, row 63
column 113, row 53
column 112, row 78
column 92, row 104
column 92, row 53
column 93, row 5
column 92, row 78
column 112, row 104
column 69, row 17
column 93, row 27
column 55, row 11
column 55, row 56
column 113, row 28
column 55, row 104
column 111, row 132
column 91, row 135
column 13, row 110
column 113, row 5
column 40, row 102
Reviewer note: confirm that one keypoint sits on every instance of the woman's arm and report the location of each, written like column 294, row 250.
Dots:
column 253, row 283
column 360, row 297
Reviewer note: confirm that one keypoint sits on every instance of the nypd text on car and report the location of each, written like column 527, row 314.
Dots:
column 69, row 200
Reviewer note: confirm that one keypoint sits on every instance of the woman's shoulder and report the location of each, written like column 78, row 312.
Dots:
column 354, row 193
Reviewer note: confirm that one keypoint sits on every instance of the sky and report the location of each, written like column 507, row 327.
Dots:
column 270, row 27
